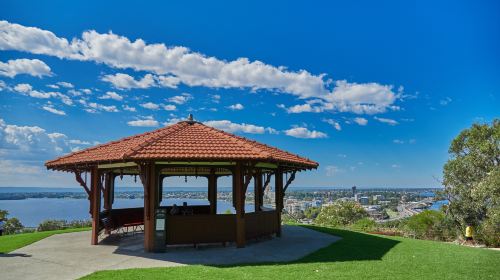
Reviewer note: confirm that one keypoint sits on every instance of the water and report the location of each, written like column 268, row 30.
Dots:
column 34, row 210
column 437, row 204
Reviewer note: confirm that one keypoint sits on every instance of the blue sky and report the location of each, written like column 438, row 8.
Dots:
column 373, row 91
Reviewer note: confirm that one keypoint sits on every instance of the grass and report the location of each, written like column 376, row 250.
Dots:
column 9, row 243
column 356, row 256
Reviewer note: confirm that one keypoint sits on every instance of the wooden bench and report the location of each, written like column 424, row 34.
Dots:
column 120, row 220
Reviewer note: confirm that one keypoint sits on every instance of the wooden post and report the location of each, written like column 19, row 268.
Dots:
column 258, row 190
column 212, row 191
column 278, row 191
column 108, row 186
column 240, row 205
column 149, row 178
column 95, row 189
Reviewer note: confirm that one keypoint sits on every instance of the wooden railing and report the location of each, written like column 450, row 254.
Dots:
column 261, row 223
column 201, row 229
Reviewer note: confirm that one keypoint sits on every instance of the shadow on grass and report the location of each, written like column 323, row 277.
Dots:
column 353, row 246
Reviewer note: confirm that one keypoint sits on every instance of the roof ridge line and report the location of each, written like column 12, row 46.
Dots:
column 161, row 133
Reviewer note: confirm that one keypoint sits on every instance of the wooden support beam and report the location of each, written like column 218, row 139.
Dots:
column 258, row 190
column 289, row 181
column 149, row 176
column 266, row 182
column 96, row 204
column 278, row 191
column 238, row 179
column 79, row 179
column 108, row 185
column 212, row 191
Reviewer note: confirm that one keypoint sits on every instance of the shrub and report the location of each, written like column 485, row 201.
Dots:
column 364, row 224
column 13, row 225
column 489, row 231
column 341, row 213
column 430, row 224
column 62, row 224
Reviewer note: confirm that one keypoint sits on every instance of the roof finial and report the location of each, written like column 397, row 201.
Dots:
column 190, row 117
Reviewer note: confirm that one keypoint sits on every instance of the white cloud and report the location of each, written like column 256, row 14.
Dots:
column 50, row 108
column 333, row 123
column 399, row 141
column 181, row 65
column 148, row 121
column 302, row 108
column 215, row 98
column 168, row 81
column 112, row 95
column 53, row 86
column 27, row 89
column 231, row 127
column 66, row 84
column 150, row 106
column 125, row 81
column 180, row 99
column 169, row 107
column 79, row 142
column 387, row 121
column 33, row 67
column 361, row 121
column 92, row 107
column 303, row 132
column 31, row 142
column 445, row 101
column 129, row 108
column 236, row 107
column 332, row 170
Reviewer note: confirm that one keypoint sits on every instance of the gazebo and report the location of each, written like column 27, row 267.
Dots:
column 187, row 148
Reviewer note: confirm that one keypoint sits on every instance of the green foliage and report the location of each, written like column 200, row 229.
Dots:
column 3, row 214
column 364, row 224
column 48, row 225
column 12, row 225
column 430, row 224
column 489, row 231
column 472, row 175
column 227, row 212
column 312, row 212
column 341, row 213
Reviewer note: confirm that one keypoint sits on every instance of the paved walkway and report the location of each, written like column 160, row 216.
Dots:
column 70, row 255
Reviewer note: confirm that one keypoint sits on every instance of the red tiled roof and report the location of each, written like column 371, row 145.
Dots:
column 187, row 141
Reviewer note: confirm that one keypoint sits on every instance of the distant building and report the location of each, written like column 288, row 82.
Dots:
column 378, row 197
column 353, row 190
column 364, row 200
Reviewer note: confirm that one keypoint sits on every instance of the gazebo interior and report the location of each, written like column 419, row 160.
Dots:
column 187, row 148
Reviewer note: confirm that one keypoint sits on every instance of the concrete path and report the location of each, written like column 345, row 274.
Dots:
column 70, row 255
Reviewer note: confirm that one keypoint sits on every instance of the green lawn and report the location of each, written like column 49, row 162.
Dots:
column 9, row 243
column 356, row 256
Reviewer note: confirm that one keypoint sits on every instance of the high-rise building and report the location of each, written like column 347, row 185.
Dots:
column 353, row 190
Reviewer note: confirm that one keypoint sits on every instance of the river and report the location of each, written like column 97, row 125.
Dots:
column 32, row 211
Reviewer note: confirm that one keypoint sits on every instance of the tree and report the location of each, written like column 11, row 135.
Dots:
column 341, row 213
column 13, row 225
column 472, row 174
column 3, row 214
